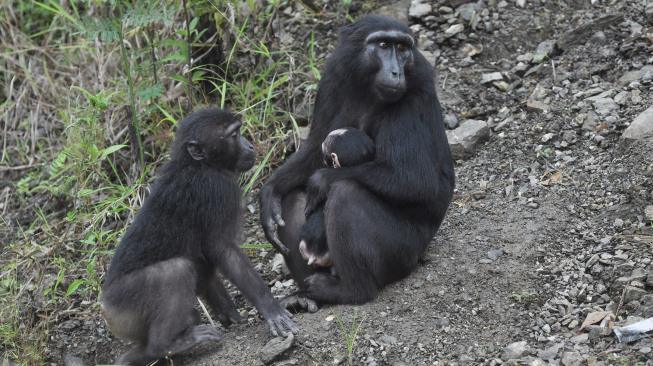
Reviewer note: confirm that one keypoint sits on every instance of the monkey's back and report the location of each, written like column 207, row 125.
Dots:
column 184, row 209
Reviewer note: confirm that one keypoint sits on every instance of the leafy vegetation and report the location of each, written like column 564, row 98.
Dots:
column 92, row 93
column 524, row 297
column 349, row 333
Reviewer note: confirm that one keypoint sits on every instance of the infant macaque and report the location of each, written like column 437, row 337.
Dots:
column 344, row 147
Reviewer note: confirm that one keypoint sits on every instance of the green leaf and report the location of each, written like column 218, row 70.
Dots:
column 89, row 239
column 70, row 216
column 74, row 286
column 168, row 116
column 90, row 267
column 150, row 92
column 98, row 101
column 193, row 24
column 110, row 150
column 58, row 163
column 175, row 57
column 102, row 28
column 198, row 75
column 94, row 152
column 181, row 55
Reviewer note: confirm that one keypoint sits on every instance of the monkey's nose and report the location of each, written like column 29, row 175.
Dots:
column 246, row 143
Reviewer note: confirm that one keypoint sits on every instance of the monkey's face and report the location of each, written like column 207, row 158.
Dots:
column 246, row 156
column 219, row 144
column 390, row 53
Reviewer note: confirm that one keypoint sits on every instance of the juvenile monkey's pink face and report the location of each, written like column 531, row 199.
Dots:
column 313, row 259
column 334, row 163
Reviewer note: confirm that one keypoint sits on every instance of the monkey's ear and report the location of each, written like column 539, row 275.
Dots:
column 195, row 150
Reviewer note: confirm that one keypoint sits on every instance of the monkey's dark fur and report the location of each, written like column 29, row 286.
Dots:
column 186, row 233
column 341, row 148
column 380, row 215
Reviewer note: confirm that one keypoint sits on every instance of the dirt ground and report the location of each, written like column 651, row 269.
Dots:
column 547, row 225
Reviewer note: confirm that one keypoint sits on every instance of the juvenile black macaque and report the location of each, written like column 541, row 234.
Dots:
column 185, row 235
column 344, row 147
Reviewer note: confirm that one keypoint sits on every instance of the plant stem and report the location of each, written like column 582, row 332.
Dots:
column 134, row 122
column 153, row 55
column 190, row 51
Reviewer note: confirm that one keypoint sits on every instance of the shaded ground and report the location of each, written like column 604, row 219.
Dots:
column 547, row 224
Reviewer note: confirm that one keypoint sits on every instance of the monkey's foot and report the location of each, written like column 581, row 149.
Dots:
column 206, row 333
column 197, row 334
column 299, row 302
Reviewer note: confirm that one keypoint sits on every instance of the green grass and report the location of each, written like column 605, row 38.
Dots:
column 91, row 109
column 349, row 332
column 524, row 297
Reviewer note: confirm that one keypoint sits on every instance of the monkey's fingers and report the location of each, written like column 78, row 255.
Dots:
column 303, row 250
column 273, row 328
column 289, row 324
column 311, row 306
column 283, row 325
column 299, row 302
column 276, row 212
column 271, row 234
column 278, row 328
column 311, row 205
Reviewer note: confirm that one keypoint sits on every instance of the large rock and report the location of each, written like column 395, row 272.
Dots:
column 637, row 75
column 641, row 127
column 468, row 11
column 454, row 29
column 633, row 293
column 515, row 350
column 490, row 77
column 604, row 106
column 275, row 348
column 396, row 9
column 571, row 358
column 464, row 139
column 544, row 50
column 419, row 9
column 550, row 353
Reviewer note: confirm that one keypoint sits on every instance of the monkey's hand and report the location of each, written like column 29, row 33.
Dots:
column 316, row 190
column 281, row 323
column 271, row 217
column 299, row 302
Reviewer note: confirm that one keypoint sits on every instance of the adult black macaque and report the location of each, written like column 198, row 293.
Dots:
column 187, row 231
column 341, row 148
column 380, row 215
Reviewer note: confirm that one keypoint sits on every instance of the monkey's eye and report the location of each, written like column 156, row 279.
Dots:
column 401, row 47
column 235, row 134
column 383, row 44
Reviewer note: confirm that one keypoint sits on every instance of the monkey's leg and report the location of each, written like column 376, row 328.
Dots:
column 140, row 355
column 155, row 307
column 194, row 335
column 295, row 217
column 371, row 245
column 293, row 214
column 313, row 244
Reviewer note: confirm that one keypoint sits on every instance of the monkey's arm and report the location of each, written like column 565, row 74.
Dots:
column 411, row 167
column 292, row 174
column 234, row 265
